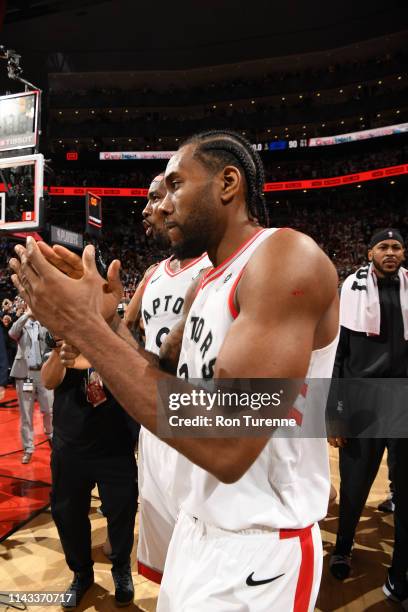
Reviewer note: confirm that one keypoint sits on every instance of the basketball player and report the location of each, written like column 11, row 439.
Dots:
column 159, row 300
column 247, row 535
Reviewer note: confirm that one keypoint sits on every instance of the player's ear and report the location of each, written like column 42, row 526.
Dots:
column 370, row 255
column 231, row 183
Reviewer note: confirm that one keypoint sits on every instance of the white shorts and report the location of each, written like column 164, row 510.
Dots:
column 157, row 508
column 212, row 570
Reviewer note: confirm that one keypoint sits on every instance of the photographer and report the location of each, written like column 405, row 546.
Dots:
column 32, row 349
column 92, row 445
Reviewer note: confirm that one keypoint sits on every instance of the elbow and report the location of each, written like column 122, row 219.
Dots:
column 227, row 478
column 47, row 384
column 232, row 464
column 229, row 472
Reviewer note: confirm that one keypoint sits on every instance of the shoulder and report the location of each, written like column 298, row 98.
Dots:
column 151, row 269
column 291, row 260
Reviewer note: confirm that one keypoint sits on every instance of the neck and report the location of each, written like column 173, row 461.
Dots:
column 232, row 238
column 179, row 264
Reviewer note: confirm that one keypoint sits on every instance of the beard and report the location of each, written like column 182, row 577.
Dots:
column 160, row 239
column 198, row 229
column 190, row 247
column 387, row 273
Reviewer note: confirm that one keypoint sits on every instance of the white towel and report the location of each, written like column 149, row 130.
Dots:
column 360, row 302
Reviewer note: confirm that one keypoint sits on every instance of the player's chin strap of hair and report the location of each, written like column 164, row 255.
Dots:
column 5, row 601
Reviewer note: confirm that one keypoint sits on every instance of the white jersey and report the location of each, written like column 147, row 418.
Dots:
column 163, row 299
column 288, row 484
column 159, row 494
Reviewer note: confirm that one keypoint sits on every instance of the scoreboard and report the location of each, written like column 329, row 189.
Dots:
column 18, row 120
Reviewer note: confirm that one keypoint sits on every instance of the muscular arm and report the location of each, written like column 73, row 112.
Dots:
column 281, row 307
column 133, row 311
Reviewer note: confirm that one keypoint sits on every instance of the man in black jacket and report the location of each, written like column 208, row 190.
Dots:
column 93, row 444
column 365, row 353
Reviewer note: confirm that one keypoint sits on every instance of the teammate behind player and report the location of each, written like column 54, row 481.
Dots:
column 247, row 536
column 159, row 300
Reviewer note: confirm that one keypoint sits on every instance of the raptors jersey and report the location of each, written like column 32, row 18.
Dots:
column 288, row 484
column 163, row 299
column 159, row 494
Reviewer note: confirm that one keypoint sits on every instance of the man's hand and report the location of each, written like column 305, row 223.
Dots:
column 60, row 303
column 63, row 259
column 68, row 355
column 337, row 442
column 2, row 393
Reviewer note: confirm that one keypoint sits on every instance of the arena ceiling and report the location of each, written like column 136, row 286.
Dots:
column 97, row 35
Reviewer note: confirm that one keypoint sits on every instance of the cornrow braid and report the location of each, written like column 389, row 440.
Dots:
column 218, row 148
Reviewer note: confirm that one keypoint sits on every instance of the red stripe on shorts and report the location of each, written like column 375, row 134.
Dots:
column 306, row 570
column 149, row 573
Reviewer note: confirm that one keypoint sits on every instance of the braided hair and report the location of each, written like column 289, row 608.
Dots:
column 219, row 148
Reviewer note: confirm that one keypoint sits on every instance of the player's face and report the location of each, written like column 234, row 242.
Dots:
column 153, row 218
column 190, row 206
column 387, row 257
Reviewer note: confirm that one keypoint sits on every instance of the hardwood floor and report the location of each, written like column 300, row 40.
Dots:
column 31, row 560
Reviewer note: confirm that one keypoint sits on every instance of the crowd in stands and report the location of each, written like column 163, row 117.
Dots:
column 329, row 75
column 342, row 229
column 324, row 166
column 329, row 167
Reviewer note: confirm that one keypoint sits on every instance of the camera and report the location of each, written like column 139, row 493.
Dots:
column 50, row 340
